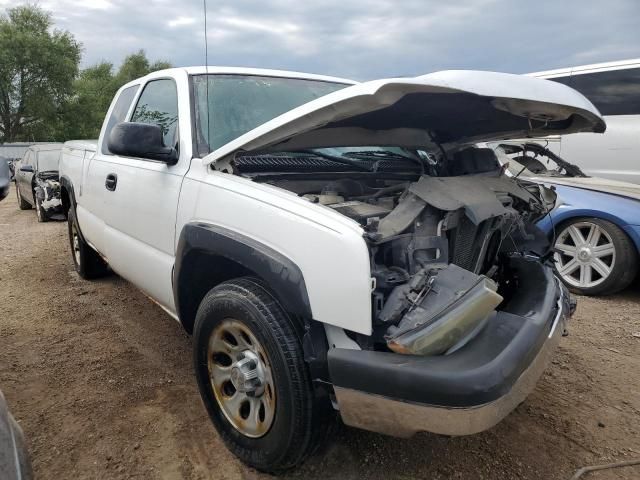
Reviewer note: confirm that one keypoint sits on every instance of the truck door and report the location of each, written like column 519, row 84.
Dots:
column 23, row 178
column 142, row 194
column 92, row 197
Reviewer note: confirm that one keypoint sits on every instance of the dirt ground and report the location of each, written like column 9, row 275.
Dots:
column 101, row 381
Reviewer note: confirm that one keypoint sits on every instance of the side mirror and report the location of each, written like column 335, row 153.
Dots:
column 144, row 140
column 26, row 168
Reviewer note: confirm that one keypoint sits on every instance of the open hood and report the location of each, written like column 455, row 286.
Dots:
column 450, row 108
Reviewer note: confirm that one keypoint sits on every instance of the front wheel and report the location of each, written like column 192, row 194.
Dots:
column 253, row 378
column 595, row 257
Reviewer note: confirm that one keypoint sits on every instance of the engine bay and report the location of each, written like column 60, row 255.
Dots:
column 440, row 248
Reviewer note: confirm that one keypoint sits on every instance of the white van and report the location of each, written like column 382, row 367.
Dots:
column 614, row 88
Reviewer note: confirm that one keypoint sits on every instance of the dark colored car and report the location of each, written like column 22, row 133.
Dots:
column 10, row 162
column 5, row 178
column 38, row 182
column 14, row 462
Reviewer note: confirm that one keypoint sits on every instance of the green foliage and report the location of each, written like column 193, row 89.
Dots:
column 43, row 95
column 84, row 112
column 136, row 66
column 37, row 69
column 96, row 86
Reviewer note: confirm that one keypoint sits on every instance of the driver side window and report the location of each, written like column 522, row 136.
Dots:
column 158, row 104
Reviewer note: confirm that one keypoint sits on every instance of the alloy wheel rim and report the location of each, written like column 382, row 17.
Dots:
column 585, row 254
column 75, row 238
column 241, row 378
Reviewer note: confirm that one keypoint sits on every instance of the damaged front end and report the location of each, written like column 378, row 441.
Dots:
column 440, row 258
column 48, row 196
column 428, row 321
column 466, row 309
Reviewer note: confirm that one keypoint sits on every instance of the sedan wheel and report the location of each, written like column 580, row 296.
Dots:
column 594, row 256
column 586, row 255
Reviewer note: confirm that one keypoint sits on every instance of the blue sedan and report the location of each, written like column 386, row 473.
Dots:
column 595, row 225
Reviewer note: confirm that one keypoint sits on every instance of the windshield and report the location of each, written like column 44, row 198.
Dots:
column 517, row 165
column 228, row 106
column 531, row 160
column 48, row 160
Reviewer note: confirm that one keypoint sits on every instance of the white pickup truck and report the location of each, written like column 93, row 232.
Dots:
column 331, row 245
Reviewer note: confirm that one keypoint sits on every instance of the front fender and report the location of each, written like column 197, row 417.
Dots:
column 327, row 247
column 281, row 274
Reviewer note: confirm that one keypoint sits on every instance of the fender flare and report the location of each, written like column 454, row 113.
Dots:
column 279, row 272
column 65, row 182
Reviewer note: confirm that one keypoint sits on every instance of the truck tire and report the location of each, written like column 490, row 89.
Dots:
column 594, row 256
column 22, row 203
column 253, row 379
column 86, row 260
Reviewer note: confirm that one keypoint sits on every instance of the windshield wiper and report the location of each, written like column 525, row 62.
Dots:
column 386, row 154
column 376, row 154
column 337, row 159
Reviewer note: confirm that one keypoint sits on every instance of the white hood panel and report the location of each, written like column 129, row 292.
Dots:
column 450, row 108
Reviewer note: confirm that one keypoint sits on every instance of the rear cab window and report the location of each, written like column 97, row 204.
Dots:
column 119, row 113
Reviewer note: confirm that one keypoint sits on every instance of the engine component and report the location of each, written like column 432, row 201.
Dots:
column 438, row 309
column 361, row 211
column 324, row 198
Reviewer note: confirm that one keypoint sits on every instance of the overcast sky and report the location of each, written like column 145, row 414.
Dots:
column 360, row 39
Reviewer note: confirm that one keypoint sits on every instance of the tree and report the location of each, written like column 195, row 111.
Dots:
column 137, row 65
column 94, row 89
column 37, row 71
column 83, row 113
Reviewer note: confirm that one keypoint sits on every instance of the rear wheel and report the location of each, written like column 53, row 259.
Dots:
column 253, row 378
column 22, row 203
column 86, row 260
column 595, row 257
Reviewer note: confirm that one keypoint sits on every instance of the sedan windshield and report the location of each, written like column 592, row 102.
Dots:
column 48, row 160
column 228, row 106
column 531, row 159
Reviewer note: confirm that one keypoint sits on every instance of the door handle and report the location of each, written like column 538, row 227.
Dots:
column 111, row 182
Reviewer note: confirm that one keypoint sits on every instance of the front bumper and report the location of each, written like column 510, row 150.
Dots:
column 49, row 194
column 469, row 390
